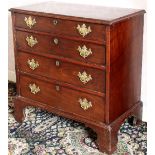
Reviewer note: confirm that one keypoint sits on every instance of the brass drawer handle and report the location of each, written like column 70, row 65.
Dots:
column 56, row 41
column 34, row 89
column 84, row 52
column 33, row 64
column 31, row 41
column 55, row 22
column 85, row 104
column 84, row 77
column 30, row 22
column 83, row 30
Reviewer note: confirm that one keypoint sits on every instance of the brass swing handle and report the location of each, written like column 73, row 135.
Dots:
column 31, row 41
column 32, row 64
column 34, row 88
column 83, row 30
column 30, row 22
column 85, row 104
column 84, row 51
column 84, row 77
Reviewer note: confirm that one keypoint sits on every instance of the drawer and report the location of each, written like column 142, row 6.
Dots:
column 76, row 50
column 77, row 75
column 68, row 28
column 63, row 98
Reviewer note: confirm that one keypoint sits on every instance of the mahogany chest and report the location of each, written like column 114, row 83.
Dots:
column 81, row 62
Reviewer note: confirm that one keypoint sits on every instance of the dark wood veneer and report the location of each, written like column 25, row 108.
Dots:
column 45, row 24
column 66, row 72
column 125, row 68
column 62, row 36
column 65, row 48
column 57, row 98
column 78, row 12
column 69, row 60
column 115, row 65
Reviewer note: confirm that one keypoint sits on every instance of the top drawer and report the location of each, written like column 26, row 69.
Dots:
column 81, row 30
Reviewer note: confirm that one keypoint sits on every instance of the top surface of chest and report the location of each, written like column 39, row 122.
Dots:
column 105, row 15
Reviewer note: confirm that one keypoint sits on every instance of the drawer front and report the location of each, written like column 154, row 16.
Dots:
column 77, row 75
column 76, row 29
column 76, row 50
column 63, row 98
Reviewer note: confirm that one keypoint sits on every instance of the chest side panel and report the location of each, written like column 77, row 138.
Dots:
column 126, row 41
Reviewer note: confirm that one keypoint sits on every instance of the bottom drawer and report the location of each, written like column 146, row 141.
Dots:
column 63, row 98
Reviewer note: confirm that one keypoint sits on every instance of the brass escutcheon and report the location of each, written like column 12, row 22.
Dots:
column 56, row 41
column 55, row 22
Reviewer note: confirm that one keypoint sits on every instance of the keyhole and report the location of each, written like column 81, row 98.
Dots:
column 56, row 41
column 57, row 88
column 57, row 63
column 55, row 22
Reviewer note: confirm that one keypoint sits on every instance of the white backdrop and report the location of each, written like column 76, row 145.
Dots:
column 139, row 4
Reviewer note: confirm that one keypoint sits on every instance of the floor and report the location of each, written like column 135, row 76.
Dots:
column 43, row 133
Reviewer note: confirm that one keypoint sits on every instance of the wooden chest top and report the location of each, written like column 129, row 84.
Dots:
column 96, row 14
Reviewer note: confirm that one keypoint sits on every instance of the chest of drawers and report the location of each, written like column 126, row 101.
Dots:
column 80, row 62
